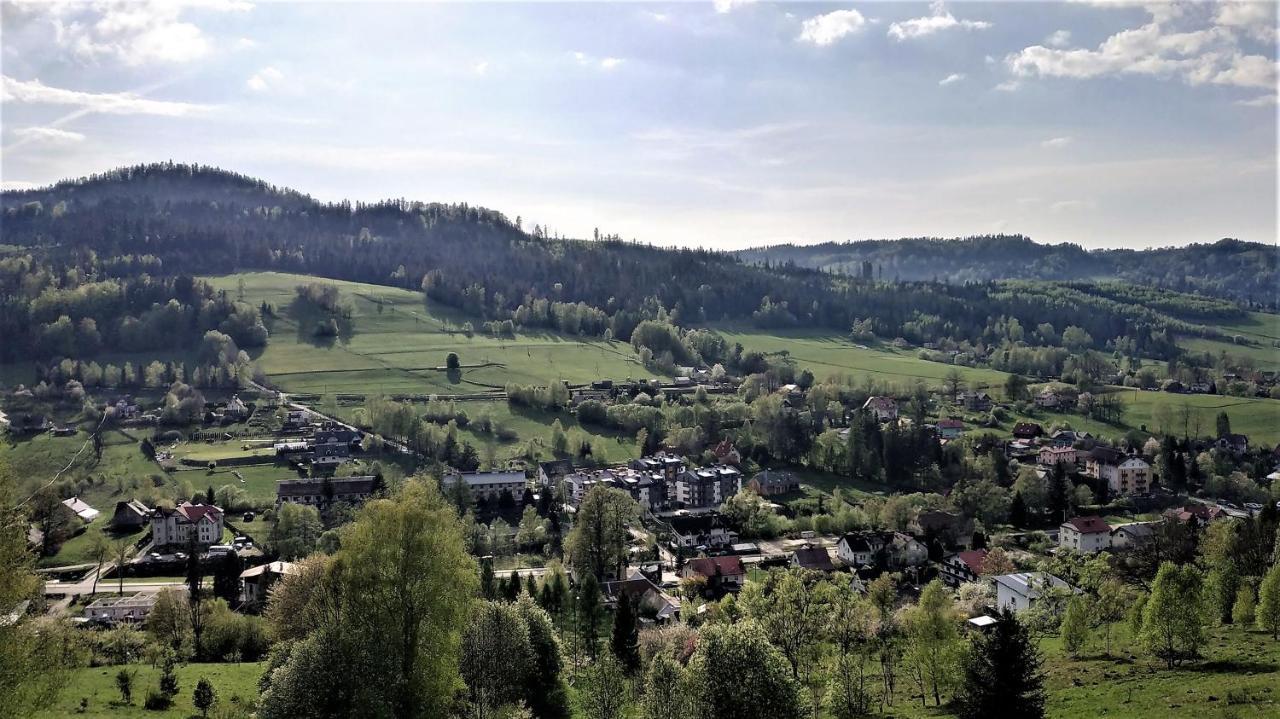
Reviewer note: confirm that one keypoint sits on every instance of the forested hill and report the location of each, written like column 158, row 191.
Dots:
column 106, row 262
column 1227, row 268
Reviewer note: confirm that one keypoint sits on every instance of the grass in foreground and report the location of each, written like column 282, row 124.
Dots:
column 98, row 685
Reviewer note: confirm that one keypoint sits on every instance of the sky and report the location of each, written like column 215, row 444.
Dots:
column 724, row 124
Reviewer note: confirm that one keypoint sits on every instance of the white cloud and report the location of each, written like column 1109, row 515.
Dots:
column 110, row 103
column 939, row 19
column 1061, row 38
column 1057, row 142
column 481, row 67
column 823, row 30
column 658, row 16
column 726, row 6
column 136, row 33
column 1009, row 86
column 1256, row 19
column 1206, row 55
column 268, row 78
column 47, row 135
column 952, row 78
column 604, row 63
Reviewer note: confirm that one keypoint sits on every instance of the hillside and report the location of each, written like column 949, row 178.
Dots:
column 168, row 221
column 1227, row 268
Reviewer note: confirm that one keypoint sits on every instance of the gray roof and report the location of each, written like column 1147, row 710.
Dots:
column 341, row 485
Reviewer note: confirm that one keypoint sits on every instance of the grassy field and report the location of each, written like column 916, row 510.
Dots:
column 98, row 685
column 826, row 354
column 1258, row 418
column 397, row 345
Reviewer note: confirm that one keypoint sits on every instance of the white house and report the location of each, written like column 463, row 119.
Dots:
column 131, row 608
column 1020, row 590
column 187, row 521
column 257, row 581
column 702, row 530
column 81, row 508
column 1084, row 534
column 1131, row 535
column 885, row 409
column 1123, row 475
column 859, row 549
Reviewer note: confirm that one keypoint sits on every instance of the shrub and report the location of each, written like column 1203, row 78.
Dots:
column 157, row 701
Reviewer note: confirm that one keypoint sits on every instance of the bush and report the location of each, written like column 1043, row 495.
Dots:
column 157, row 700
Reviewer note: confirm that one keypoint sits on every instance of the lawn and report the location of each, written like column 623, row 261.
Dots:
column 826, row 354
column 98, row 685
column 398, row 345
column 77, row 550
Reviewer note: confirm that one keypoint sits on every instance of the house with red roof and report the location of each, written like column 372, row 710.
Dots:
column 1084, row 534
column 179, row 526
column 960, row 567
column 721, row 573
column 885, row 409
column 950, row 428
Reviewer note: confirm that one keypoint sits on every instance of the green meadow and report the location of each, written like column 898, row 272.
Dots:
column 398, row 345
column 232, row 683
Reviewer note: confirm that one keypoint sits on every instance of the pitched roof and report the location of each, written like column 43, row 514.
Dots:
column 882, row 403
column 696, row 523
column 1029, row 584
column 269, row 568
column 195, row 512
column 1088, row 525
column 814, row 558
column 973, row 559
column 556, row 467
column 716, row 566
column 950, row 424
column 1106, row 455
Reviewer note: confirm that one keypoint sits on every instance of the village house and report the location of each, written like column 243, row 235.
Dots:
column 961, row 567
column 336, row 435
column 81, row 509
column 1047, row 399
column 131, row 515
column 1124, row 475
column 949, row 428
column 859, row 549
column 1194, row 512
column 330, row 455
column 551, row 473
column 774, row 482
column 236, row 410
column 721, row 573
column 885, row 409
column 320, row 492
column 256, row 582
column 726, row 453
column 649, row 490
column 186, row 523
column 1019, row 591
column 976, row 401
column 653, row 605
column 1084, row 534
column 1236, row 444
column 1052, row 456
column 131, row 609
column 126, row 409
column 1132, row 535
column 1069, row 438
column 702, row 530
column 815, row 558
column 489, row 486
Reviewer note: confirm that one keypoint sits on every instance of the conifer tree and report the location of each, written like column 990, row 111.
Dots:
column 1002, row 674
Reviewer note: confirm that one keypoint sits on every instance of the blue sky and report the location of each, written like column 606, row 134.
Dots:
column 721, row 124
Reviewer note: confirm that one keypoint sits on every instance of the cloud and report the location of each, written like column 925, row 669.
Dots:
column 1061, row 38
column 604, row 63
column 823, row 30
column 136, row 33
column 1256, row 19
column 1009, row 86
column 1069, row 205
column 17, row 185
column 481, row 67
column 1206, row 55
column 268, row 78
column 47, row 136
column 952, row 79
column 727, row 6
column 1057, row 142
column 109, row 103
column 939, row 19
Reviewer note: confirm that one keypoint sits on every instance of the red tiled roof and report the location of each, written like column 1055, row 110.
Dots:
column 1089, row 525
column 950, row 424
column 197, row 512
column 973, row 559
column 708, row 566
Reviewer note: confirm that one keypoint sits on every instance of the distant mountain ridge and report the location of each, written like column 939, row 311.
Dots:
column 1227, row 268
